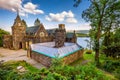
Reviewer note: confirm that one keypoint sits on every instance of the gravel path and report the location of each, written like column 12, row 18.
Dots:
column 7, row 54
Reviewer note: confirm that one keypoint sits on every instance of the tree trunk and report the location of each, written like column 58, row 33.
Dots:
column 97, row 44
column 97, row 53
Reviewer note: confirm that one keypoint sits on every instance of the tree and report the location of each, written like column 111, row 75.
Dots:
column 102, row 15
column 112, row 44
column 2, row 32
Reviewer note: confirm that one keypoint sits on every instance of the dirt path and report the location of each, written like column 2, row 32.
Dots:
column 7, row 54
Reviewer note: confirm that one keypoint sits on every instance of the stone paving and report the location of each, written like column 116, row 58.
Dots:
column 7, row 55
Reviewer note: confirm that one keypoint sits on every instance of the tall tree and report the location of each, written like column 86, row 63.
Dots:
column 102, row 15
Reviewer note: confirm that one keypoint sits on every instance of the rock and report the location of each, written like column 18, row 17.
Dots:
column 21, row 69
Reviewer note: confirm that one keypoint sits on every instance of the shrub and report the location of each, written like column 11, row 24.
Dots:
column 90, row 72
column 89, row 52
column 2, row 32
column 112, row 66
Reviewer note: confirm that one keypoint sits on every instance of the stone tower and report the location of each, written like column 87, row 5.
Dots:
column 60, row 35
column 18, row 33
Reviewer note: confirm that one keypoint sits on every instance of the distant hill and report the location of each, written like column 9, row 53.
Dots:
column 69, row 31
column 80, row 31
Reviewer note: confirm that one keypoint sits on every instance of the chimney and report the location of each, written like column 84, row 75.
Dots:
column 61, row 26
column 60, row 36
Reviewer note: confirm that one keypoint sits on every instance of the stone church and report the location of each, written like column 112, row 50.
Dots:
column 23, row 36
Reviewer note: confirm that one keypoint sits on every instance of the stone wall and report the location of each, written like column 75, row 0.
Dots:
column 31, row 40
column 41, row 58
column 45, row 60
column 73, row 57
column 7, row 41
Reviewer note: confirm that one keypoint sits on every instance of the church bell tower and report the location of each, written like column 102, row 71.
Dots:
column 18, row 33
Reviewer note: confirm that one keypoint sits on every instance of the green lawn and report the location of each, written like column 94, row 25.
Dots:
column 15, row 64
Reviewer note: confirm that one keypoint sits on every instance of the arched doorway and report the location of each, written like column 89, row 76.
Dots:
column 20, row 45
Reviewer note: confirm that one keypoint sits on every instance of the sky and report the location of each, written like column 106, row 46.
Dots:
column 49, row 12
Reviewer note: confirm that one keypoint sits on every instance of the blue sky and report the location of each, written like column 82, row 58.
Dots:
column 50, row 13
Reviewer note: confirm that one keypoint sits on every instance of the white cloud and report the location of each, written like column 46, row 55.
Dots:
column 63, row 16
column 84, row 26
column 14, row 5
column 31, row 8
column 70, row 14
column 11, row 5
column 71, row 20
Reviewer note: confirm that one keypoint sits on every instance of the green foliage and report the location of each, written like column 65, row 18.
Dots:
column 88, row 51
column 57, row 71
column 56, row 63
column 55, row 76
column 112, row 66
column 2, row 32
column 76, row 72
column 104, row 17
column 8, row 71
column 111, row 44
column 90, row 72
column 117, row 35
column 77, row 2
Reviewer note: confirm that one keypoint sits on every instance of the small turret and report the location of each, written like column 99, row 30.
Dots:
column 37, row 22
column 74, row 37
column 24, row 23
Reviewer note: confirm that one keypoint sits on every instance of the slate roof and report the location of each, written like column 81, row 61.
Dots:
column 48, row 49
column 69, row 35
column 51, row 31
column 32, row 30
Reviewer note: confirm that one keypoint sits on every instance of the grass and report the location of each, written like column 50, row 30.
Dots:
column 90, row 59
column 86, row 57
column 15, row 64
column 82, row 35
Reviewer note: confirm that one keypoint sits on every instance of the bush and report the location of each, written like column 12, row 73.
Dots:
column 55, row 76
column 86, row 72
column 2, row 32
column 8, row 71
column 90, row 72
column 112, row 66
column 117, row 73
column 88, row 51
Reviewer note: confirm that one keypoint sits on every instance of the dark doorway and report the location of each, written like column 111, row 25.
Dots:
column 20, row 45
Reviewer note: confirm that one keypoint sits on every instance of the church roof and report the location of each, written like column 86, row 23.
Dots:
column 51, row 31
column 69, row 35
column 32, row 30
